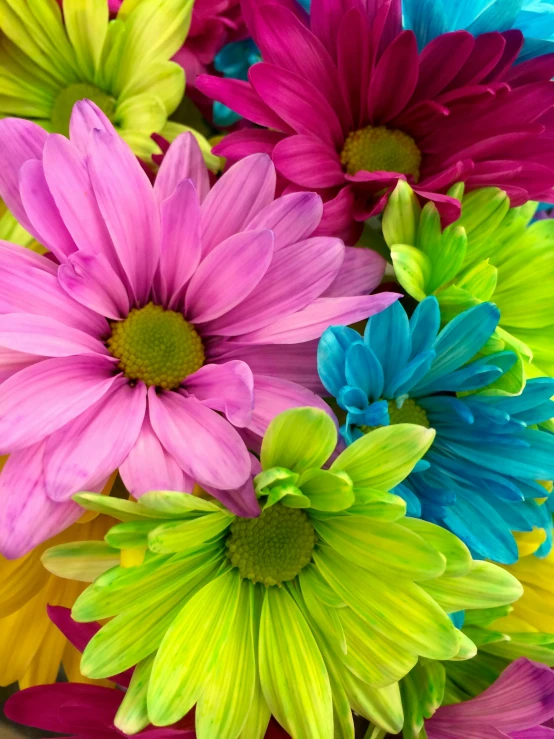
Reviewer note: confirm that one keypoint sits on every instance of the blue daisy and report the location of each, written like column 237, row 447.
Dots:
column 534, row 18
column 479, row 478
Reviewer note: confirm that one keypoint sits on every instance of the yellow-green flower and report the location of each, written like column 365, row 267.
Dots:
column 317, row 607
column 49, row 61
column 492, row 253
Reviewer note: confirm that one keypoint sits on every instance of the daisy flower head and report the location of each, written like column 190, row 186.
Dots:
column 318, row 606
column 50, row 59
column 169, row 327
column 479, row 477
column 351, row 107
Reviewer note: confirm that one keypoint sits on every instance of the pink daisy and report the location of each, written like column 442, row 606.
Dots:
column 351, row 107
column 171, row 324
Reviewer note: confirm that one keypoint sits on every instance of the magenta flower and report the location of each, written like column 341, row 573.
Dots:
column 515, row 707
column 171, row 324
column 350, row 107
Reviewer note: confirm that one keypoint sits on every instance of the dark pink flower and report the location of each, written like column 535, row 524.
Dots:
column 350, row 107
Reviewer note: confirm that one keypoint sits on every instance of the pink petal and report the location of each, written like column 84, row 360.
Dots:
column 204, row 444
column 85, row 117
column 27, row 515
column 399, row 63
column 291, row 217
column 42, row 212
column 240, row 144
column 236, row 199
column 181, row 245
column 227, row 387
column 45, row 336
column 21, row 141
column 183, row 161
column 354, row 63
column 361, row 271
column 11, row 362
column 298, row 275
column 15, row 256
column 309, row 162
column 337, row 219
column 449, row 208
column 149, row 466
column 241, row 501
column 311, row 322
column 88, row 449
column 273, row 395
column 129, row 208
column 44, row 397
column 228, row 275
column 440, row 61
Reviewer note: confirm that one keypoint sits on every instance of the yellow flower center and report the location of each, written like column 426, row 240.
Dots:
column 410, row 412
column 272, row 548
column 156, row 346
column 380, row 149
column 63, row 106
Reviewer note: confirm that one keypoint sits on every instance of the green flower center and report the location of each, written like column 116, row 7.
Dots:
column 63, row 106
column 272, row 548
column 380, row 149
column 410, row 412
column 156, row 346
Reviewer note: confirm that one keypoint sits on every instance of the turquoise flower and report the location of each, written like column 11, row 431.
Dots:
column 479, row 478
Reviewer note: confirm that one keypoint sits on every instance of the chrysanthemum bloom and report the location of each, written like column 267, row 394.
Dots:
column 31, row 647
column 515, row 707
column 491, row 253
column 534, row 18
column 316, row 607
column 479, row 477
column 351, row 107
column 49, row 61
column 176, row 315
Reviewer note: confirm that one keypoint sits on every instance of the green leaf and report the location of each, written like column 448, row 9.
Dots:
column 132, row 714
column 327, row 491
column 190, row 648
column 80, row 560
column 412, row 269
column 130, row 534
column 457, row 555
column 292, row 671
column 383, row 458
column 299, row 439
column 179, row 536
column 401, row 216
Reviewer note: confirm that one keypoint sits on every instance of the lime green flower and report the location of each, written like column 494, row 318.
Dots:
column 49, row 61
column 317, row 607
column 490, row 254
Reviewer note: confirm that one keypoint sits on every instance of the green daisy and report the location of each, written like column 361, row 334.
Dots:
column 492, row 253
column 317, row 607
column 49, row 61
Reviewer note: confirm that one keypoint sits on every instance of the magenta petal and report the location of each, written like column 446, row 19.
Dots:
column 20, row 141
column 42, row 335
column 183, row 161
column 386, row 99
column 337, row 218
column 42, row 212
column 130, row 210
column 291, row 217
column 440, row 62
column 297, row 275
column 181, row 246
column 272, row 396
column 354, row 62
column 360, row 273
column 241, row 501
column 309, row 162
column 240, row 144
column 236, row 199
column 44, row 397
column 85, row 117
column 311, row 322
column 228, row 275
column 27, row 515
column 88, row 449
column 204, row 444
column 227, row 387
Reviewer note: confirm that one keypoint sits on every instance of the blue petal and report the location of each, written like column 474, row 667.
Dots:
column 352, row 399
column 535, row 394
column 413, row 506
column 500, row 16
column 376, row 415
column 457, row 618
column 426, row 18
column 446, row 408
column 474, row 376
column 424, row 326
column 411, row 374
column 388, row 335
column 331, row 356
column 363, row 370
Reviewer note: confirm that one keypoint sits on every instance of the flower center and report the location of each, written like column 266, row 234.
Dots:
column 410, row 412
column 63, row 106
column 272, row 548
column 156, row 346
column 380, row 149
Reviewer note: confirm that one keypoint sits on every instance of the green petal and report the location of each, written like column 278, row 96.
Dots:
column 165, row 80
column 259, row 714
column 401, row 216
column 485, row 586
column 80, row 560
column 130, row 535
column 311, row 578
column 178, row 536
column 457, row 555
column 378, row 504
column 412, row 269
column 294, row 679
column 229, row 690
column 382, row 706
column 132, row 714
column 192, row 644
column 422, row 693
column 142, row 112
column 327, row 491
column 325, row 618
column 86, row 22
column 384, row 457
column 173, row 504
column 379, row 547
column 467, row 648
column 299, row 439
column 124, row 510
